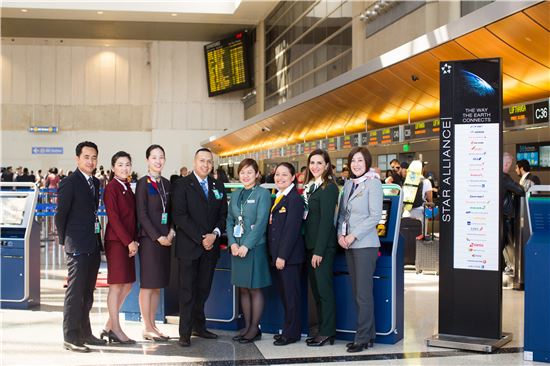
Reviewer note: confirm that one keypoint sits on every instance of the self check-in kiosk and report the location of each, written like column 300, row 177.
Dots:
column 20, row 246
column 537, row 276
column 388, row 278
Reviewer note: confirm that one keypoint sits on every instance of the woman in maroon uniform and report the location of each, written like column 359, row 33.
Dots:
column 120, row 243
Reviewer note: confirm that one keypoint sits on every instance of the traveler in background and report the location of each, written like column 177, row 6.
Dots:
column 222, row 175
column 395, row 177
column 184, row 171
column 300, row 177
column 360, row 211
column 247, row 219
column 199, row 207
column 25, row 177
column 423, row 196
column 287, row 250
column 527, row 179
column 343, row 177
column 7, row 175
column 79, row 231
column 120, row 244
column 52, row 180
column 321, row 197
column 511, row 191
column 155, row 238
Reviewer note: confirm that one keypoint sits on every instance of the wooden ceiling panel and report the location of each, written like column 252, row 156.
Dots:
column 525, row 35
column 540, row 13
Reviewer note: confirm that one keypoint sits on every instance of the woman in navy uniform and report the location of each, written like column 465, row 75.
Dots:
column 321, row 195
column 287, row 250
column 155, row 236
column 247, row 219
column 359, row 214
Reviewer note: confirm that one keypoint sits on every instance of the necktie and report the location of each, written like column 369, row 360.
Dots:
column 353, row 188
column 91, row 184
column 277, row 200
column 204, row 185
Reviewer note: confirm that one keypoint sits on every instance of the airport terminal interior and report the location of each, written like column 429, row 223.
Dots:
column 449, row 88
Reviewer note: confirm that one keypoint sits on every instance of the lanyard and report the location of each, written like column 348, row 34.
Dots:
column 163, row 194
column 243, row 204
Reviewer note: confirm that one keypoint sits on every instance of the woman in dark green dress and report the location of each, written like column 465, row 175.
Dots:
column 321, row 196
column 247, row 220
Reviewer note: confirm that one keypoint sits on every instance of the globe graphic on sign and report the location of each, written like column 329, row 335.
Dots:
column 476, row 85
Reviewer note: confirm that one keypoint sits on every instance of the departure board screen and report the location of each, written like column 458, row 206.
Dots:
column 227, row 64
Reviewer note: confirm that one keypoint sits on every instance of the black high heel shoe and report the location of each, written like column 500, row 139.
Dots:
column 321, row 340
column 104, row 334
column 257, row 337
column 113, row 338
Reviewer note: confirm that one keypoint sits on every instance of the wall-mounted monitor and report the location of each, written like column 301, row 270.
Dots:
column 537, row 154
column 229, row 64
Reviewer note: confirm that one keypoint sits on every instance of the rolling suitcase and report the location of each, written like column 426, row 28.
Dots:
column 410, row 229
column 427, row 251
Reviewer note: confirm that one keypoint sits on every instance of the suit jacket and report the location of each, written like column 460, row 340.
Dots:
column 194, row 215
column 120, row 205
column 363, row 211
column 76, row 214
column 319, row 229
column 529, row 181
column 255, row 217
column 284, row 233
column 149, row 209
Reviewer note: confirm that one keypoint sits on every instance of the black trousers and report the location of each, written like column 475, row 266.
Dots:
column 79, row 296
column 289, row 285
column 195, row 281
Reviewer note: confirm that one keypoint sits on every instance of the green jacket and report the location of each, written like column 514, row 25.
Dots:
column 319, row 229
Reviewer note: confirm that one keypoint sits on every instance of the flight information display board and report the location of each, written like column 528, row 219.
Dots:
column 227, row 64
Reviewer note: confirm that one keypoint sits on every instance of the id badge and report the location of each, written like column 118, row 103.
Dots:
column 164, row 218
column 305, row 214
column 97, row 228
column 237, row 231
column 345, row 228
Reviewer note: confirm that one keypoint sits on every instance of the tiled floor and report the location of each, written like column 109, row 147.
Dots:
column 34, row 337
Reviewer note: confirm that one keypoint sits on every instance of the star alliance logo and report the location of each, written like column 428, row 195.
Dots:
column 446, row 69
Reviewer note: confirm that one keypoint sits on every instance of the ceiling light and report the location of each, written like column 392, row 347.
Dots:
column 174, row 14
column 100, row 12
column 24, row 10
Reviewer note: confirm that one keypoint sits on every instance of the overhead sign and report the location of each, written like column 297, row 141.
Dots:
column 40, row 150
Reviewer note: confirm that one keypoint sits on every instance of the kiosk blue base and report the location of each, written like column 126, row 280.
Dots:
column 537, row 277
column 222, row 307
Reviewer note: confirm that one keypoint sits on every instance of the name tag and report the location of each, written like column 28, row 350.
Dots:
column 250, row 201
column 97, row 228
column 237, row 231
column 164, row 218
column 345, row 228
column 217, row 194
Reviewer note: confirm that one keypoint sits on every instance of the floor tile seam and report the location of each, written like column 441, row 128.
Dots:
column 341, row 358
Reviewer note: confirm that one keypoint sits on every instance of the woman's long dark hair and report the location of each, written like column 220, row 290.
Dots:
column 118, row 155
column 327, row 174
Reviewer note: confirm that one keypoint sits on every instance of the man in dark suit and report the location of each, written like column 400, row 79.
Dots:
column 78, row 228
column 199, row 211
column 527, row 179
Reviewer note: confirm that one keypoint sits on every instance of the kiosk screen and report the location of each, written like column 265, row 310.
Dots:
column 382, row 226
column 12, row 210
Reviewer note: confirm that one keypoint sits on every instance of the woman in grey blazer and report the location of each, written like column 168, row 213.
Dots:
column 359, row 213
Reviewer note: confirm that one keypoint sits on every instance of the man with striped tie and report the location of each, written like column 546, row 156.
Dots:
column 199, row 211
column 79, row 231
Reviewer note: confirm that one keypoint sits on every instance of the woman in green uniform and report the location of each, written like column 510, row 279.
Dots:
column 247, row 220
column 321, row 196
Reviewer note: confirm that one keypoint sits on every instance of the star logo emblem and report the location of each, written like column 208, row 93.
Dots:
column 446, row 69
